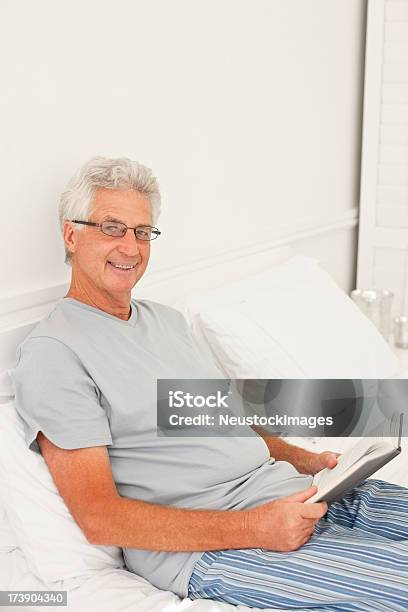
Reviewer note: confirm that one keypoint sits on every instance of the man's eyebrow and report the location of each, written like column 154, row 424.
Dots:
column 110, row 218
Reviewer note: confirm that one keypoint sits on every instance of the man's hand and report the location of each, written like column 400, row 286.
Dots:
column 285, row 524
column 305, row 461
column 319, row 461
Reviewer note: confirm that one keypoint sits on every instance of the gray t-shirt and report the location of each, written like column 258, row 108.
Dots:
column 87, row 378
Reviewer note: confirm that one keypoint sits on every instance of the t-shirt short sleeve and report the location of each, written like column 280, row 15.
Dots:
column 57, row 396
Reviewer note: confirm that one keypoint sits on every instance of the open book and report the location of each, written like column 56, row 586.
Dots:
column 357, row 464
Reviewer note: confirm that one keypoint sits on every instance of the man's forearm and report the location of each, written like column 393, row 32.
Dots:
column 300, row 458
column 136, row 524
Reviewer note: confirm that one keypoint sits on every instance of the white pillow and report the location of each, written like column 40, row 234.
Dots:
column 52, row 542
column 6, row 385
column 8, row 540
column 294, row 322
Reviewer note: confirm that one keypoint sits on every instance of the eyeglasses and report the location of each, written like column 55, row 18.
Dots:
column 118, row 230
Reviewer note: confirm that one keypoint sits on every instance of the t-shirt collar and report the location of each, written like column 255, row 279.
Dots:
column 133, row 310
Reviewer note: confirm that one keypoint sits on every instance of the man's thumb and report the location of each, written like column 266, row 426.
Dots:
column 301, row 496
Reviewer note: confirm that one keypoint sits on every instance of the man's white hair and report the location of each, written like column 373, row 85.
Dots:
column 103, row 172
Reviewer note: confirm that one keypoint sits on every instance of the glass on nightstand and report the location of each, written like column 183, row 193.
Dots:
column 376, row 305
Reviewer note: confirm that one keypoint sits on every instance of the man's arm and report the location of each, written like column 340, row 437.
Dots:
column 306, row 462
column 84, row 479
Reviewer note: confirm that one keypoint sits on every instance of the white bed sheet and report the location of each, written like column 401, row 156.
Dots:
column 108, row 590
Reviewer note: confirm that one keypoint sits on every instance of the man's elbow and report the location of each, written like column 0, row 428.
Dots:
column 96, row 523
column 93, row 533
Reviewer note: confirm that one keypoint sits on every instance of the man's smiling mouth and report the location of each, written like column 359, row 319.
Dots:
column 120, row 266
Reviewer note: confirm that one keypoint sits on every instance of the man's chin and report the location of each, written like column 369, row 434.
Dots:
column 118, row 280
column 122, row 285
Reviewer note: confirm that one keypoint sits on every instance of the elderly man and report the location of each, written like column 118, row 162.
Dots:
column 221, row 518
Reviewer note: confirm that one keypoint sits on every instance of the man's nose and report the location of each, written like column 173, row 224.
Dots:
column 128, row 244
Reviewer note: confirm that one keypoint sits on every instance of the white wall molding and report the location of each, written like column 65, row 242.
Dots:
column 256, row 256
column 293, row 234
column 31, row 299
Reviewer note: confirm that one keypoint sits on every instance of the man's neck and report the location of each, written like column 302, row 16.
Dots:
column 122, row 311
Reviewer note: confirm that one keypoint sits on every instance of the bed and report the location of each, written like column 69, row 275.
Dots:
column 255, row 328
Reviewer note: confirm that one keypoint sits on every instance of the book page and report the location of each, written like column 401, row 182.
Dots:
column 366, row 466
column 363, row 448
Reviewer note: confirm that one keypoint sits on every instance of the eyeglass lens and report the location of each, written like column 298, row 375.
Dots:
column 143, row 232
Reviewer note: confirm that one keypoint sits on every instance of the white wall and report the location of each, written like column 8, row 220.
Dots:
column 247, row 110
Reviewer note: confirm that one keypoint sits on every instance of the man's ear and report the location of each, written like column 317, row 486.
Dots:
column 69, row 236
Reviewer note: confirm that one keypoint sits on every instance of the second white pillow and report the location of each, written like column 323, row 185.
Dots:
column 299, row 324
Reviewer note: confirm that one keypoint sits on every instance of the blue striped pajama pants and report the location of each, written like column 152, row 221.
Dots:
column 356, row 560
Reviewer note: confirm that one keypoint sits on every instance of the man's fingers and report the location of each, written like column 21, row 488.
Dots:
column 304, row 538
column 306, row 533
column 313, row 511
column 328, row 459
column 310, row 523
column 301, row 496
